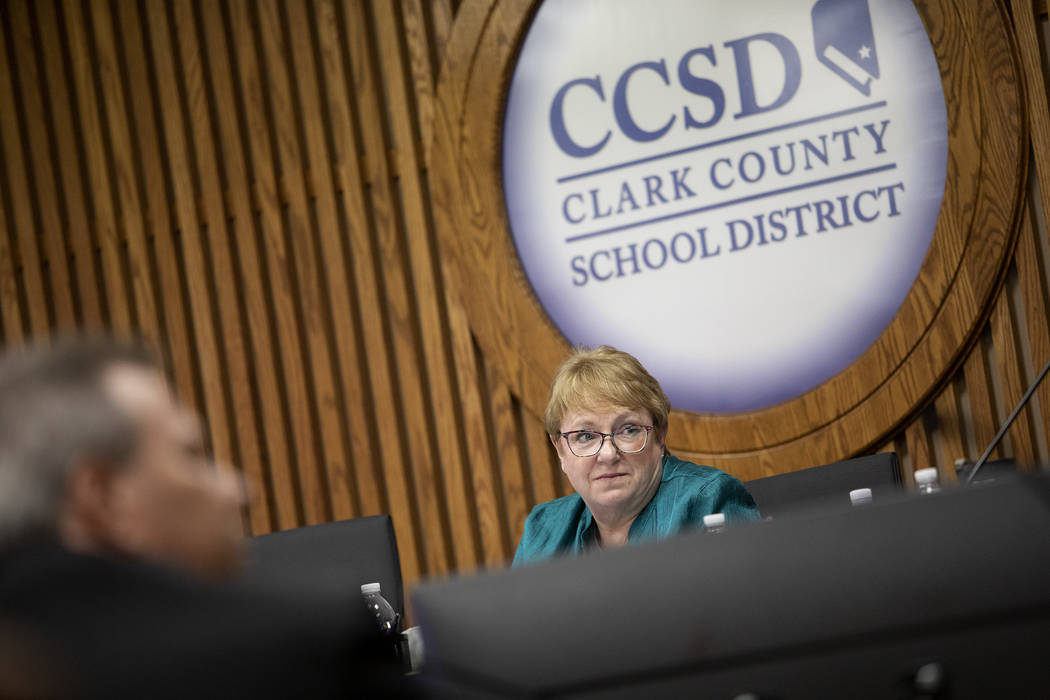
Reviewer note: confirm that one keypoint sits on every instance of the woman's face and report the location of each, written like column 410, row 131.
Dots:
column 612, row 482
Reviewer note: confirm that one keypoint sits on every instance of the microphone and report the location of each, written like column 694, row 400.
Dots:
column 1006, row 425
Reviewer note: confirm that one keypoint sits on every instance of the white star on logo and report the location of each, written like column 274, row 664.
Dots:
column 865, row 52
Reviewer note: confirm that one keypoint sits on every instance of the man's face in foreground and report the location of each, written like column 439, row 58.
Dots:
column 171, row 503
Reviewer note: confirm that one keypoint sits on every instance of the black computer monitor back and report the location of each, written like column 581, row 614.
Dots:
column 950, row 590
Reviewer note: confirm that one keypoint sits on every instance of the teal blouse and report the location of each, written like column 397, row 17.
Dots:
column 686, row 494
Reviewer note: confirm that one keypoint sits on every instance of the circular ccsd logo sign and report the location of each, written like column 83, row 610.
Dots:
column 740, row 194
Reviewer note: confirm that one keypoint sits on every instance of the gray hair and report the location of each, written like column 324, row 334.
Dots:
column 53, row 409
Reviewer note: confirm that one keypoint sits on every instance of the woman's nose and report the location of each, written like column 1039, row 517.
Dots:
column 608, row 449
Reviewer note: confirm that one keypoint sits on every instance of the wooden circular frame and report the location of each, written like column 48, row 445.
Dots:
column 856, row 409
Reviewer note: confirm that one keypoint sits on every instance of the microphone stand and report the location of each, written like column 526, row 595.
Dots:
column 1006, row 425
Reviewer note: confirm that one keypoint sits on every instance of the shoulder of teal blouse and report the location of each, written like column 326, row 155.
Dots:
column 552, row 528
column 710, row 490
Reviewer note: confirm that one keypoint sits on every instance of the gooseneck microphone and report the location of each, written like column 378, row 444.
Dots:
column 1006, row 425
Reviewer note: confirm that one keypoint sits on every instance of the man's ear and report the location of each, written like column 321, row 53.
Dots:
column 88, row 513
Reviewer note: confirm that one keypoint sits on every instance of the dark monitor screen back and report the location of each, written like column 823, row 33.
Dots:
column 960, row 579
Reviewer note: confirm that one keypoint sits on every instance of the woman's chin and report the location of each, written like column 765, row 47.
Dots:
column 611, row 493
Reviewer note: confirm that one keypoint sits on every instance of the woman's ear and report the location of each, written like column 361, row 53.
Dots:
column 556, row 441
column 661, row 436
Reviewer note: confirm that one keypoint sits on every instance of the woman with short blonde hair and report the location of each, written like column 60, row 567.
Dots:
column 607, row 418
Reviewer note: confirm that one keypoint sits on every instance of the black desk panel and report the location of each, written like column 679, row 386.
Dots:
column 846, row 604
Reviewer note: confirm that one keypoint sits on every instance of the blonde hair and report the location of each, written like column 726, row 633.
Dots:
column 604, row 375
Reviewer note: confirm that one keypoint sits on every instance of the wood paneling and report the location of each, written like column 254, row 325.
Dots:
column 260, row 188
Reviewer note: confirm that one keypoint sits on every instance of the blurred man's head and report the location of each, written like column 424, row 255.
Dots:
column 96, row 453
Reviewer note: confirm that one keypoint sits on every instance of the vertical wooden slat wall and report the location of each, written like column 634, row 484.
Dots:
column 1015, row 345
column 245, row 184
